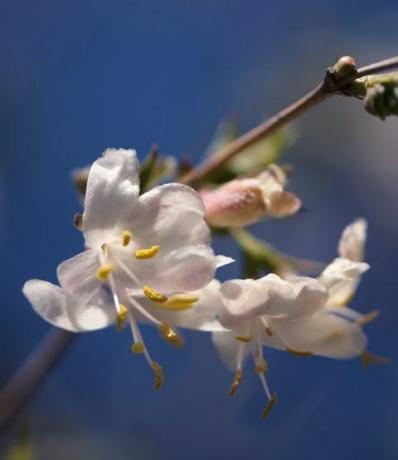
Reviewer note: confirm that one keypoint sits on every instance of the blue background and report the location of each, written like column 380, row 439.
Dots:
column 77, row 77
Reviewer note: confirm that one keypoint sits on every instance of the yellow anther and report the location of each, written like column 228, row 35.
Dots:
column 268, row 331
column 158, row 375
column 269, row 406
column 171, row 336
column 295, row 352
column 104, row 271
column 368, row 359
column 261, row 367
column 368, row 318
column 121, row 317
column 235, row 382
column 243, row 338
column 154, row 295
column 147, row 253
column 179, row 302
column 78, row 221
column 137, row 347
column 126, row 237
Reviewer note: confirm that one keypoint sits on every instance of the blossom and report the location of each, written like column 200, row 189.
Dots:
column 290, row 315
column 144, row 256
column 244, row 201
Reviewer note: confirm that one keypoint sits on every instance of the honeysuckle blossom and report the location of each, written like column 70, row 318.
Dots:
column 242, row 202
column 144, row 256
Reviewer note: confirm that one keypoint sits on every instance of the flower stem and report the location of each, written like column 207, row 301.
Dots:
column 321, row 92
column 21, row 385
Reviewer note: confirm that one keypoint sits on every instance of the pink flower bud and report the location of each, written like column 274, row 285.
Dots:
column 242, row 202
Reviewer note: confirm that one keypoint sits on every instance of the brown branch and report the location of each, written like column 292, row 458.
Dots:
column 31, row 372
column 322, row 91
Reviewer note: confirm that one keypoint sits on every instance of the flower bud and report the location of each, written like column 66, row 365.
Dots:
column 345, row 67
column 381, row 100
column 242, row 202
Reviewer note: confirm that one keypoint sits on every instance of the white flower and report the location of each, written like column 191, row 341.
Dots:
column 348, row 267
column 143, row 254
column 284, row 314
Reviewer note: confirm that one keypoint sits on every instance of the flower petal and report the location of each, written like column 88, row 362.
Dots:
column 322, row 334
column 186, row 269
column 77, row 275
column 170, row 216
column 349, row 273
column 65, row 310
column 352, row 242
column 112, row 193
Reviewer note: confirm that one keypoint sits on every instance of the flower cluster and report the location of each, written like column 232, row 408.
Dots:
column 148, row 258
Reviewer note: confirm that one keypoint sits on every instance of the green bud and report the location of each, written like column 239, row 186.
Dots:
column 381, row 100
column 345, row 67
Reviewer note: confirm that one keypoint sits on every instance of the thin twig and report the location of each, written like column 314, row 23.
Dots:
column 322, row 91
column 30, row 373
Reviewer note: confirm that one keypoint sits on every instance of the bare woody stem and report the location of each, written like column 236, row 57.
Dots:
column 322, row 91
column 31, row 372
column 49, row 350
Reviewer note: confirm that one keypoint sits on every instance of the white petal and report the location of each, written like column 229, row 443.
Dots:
column 65, row 310
column 242, row 299
column 170, row 216
column 78, row 274
column 352, row 242
column 271, row 296
column 112, row 193
column 227, row 347
column 322, row 334
column 342, row 277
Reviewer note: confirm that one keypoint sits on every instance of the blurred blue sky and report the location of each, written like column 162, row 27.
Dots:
column 78, row 77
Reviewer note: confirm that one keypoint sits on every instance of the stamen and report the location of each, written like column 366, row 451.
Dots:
column 295, row 352
column 179, row 302
column 78, row 221
column 171, row 336
column 269, row 406
column 147, row 253
column 368, row 318
column 154, row 295
column 138, row 347
column 126, row 237
column 369, row 358
column 235, row 382
column 104, row 271
column 243, row 338
column 261, row 367
column 158, row 375
column 121, row 317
